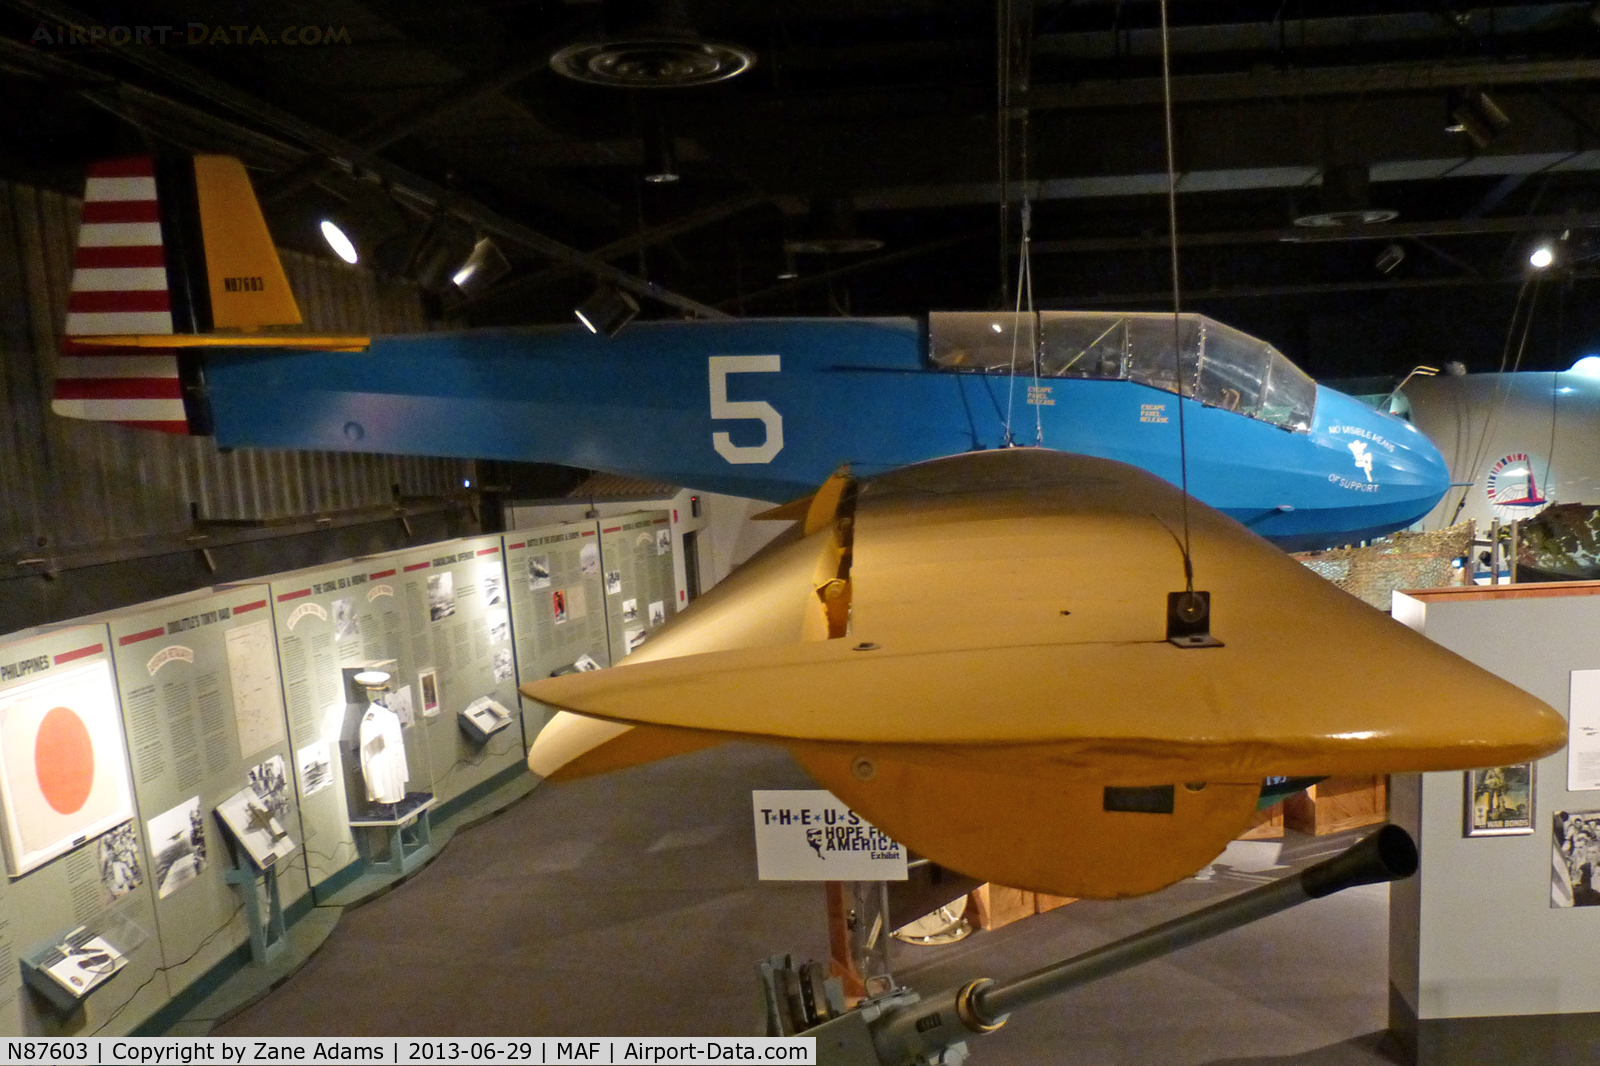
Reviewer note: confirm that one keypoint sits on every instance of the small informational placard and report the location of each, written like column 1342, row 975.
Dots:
column 1583, row 732
column 811, row 835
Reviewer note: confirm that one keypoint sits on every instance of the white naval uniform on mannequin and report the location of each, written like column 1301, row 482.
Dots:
column 383, row 756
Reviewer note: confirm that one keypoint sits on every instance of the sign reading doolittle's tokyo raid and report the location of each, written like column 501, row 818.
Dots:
column 811, row 835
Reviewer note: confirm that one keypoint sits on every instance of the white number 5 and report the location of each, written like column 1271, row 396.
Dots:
column 721, row 407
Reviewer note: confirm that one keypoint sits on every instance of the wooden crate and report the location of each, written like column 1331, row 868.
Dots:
column 1043, row 903
column 1337, row 804
column 1267, row 826
column 994, row 906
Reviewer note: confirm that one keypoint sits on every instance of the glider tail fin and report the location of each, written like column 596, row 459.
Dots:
column 165, row 249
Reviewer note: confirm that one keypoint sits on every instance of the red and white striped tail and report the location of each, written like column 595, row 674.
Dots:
column 119, row 286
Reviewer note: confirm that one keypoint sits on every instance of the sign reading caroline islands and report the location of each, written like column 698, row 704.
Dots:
column 811, row 835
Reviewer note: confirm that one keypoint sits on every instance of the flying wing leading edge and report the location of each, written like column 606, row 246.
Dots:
column 1004, row 699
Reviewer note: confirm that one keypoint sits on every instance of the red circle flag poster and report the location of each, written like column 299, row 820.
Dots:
column 63, row 767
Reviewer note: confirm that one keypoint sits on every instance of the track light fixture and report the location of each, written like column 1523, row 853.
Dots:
column 606, row 310
column 1476, row 115
column 486, row 265
column 1390, row 258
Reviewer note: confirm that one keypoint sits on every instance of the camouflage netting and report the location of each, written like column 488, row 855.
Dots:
column 1403, row 561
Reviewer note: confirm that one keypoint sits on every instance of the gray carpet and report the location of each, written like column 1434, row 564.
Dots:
column 628, row 905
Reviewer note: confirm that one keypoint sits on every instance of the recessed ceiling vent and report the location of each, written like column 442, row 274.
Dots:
column 649, row 44
column 1345, row 203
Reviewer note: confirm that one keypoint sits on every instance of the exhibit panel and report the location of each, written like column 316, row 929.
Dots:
column 459, row 655
column 636, row 555
column 1492, row 944
column 555, row 590
column 78, row 947
column 332, row 623
column 202, row 706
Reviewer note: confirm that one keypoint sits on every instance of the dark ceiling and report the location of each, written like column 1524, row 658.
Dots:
column 896, row 108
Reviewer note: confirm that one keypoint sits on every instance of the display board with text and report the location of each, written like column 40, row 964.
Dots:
column 202, row 705
column 460, row 656
column 557, row 595
column 76, row 906
column 636, row 558
column 325, row 620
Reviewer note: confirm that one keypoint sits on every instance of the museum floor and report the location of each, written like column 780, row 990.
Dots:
column 628, row 905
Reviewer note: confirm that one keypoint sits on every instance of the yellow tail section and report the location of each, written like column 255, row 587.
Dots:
column 246, row 280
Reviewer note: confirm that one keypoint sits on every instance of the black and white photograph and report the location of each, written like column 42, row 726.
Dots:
column 344, row 618
column 270, row 780
column 178, row 842
column 613, row 582
column 441, row 596
column 120, row 872
column 558, row 607
column 663, row 541
column 1575, row 859
column 635, row 637
column 502, row 665
column 538, row 572
column 658, row 612
column 428, row 685
column 630, row 610
column 1499, row 801
column 493, row 581
column 499, row 625
column 253, row 825
column 316, row 768
column 589, row 559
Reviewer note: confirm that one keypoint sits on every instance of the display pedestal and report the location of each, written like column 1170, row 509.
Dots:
column 998, row 906
column 858, row 937
column 268, row 936
column 1337, row 804
column 405, row 827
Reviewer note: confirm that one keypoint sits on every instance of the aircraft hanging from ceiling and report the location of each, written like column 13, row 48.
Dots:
column 1520, row 448
column 952, row 649
column 176, row 277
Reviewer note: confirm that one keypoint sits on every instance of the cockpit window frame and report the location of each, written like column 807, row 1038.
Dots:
column 1247, row 376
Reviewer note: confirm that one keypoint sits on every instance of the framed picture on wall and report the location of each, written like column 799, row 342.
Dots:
column 63, row 768
column 1499, row 801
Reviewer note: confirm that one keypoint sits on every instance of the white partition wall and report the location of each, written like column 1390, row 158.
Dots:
column 1485, row 964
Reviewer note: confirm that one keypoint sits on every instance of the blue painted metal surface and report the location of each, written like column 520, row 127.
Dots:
column 816, row 393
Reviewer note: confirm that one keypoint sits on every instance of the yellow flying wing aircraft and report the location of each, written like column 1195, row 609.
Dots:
column 974, row 653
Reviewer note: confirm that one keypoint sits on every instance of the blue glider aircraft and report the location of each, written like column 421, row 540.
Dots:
column 764, row 408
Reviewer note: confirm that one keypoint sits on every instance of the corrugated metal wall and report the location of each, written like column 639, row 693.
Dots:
column 74, row 482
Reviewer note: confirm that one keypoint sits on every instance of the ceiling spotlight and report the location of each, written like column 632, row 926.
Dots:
column 1390, row 258
column 606, row 310
column 357, row 228
column 486, row 265
column 1542, row 257
column 1476, row 115
column 443, row 250
column 341, row 244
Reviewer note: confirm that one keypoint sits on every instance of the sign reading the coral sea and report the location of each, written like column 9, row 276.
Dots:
column 810, row 835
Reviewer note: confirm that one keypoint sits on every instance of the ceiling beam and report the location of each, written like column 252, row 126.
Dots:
column 1163, row 300
column 1309, row 81
column 796, row 284
column 1304, row 235
column 350, row 157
